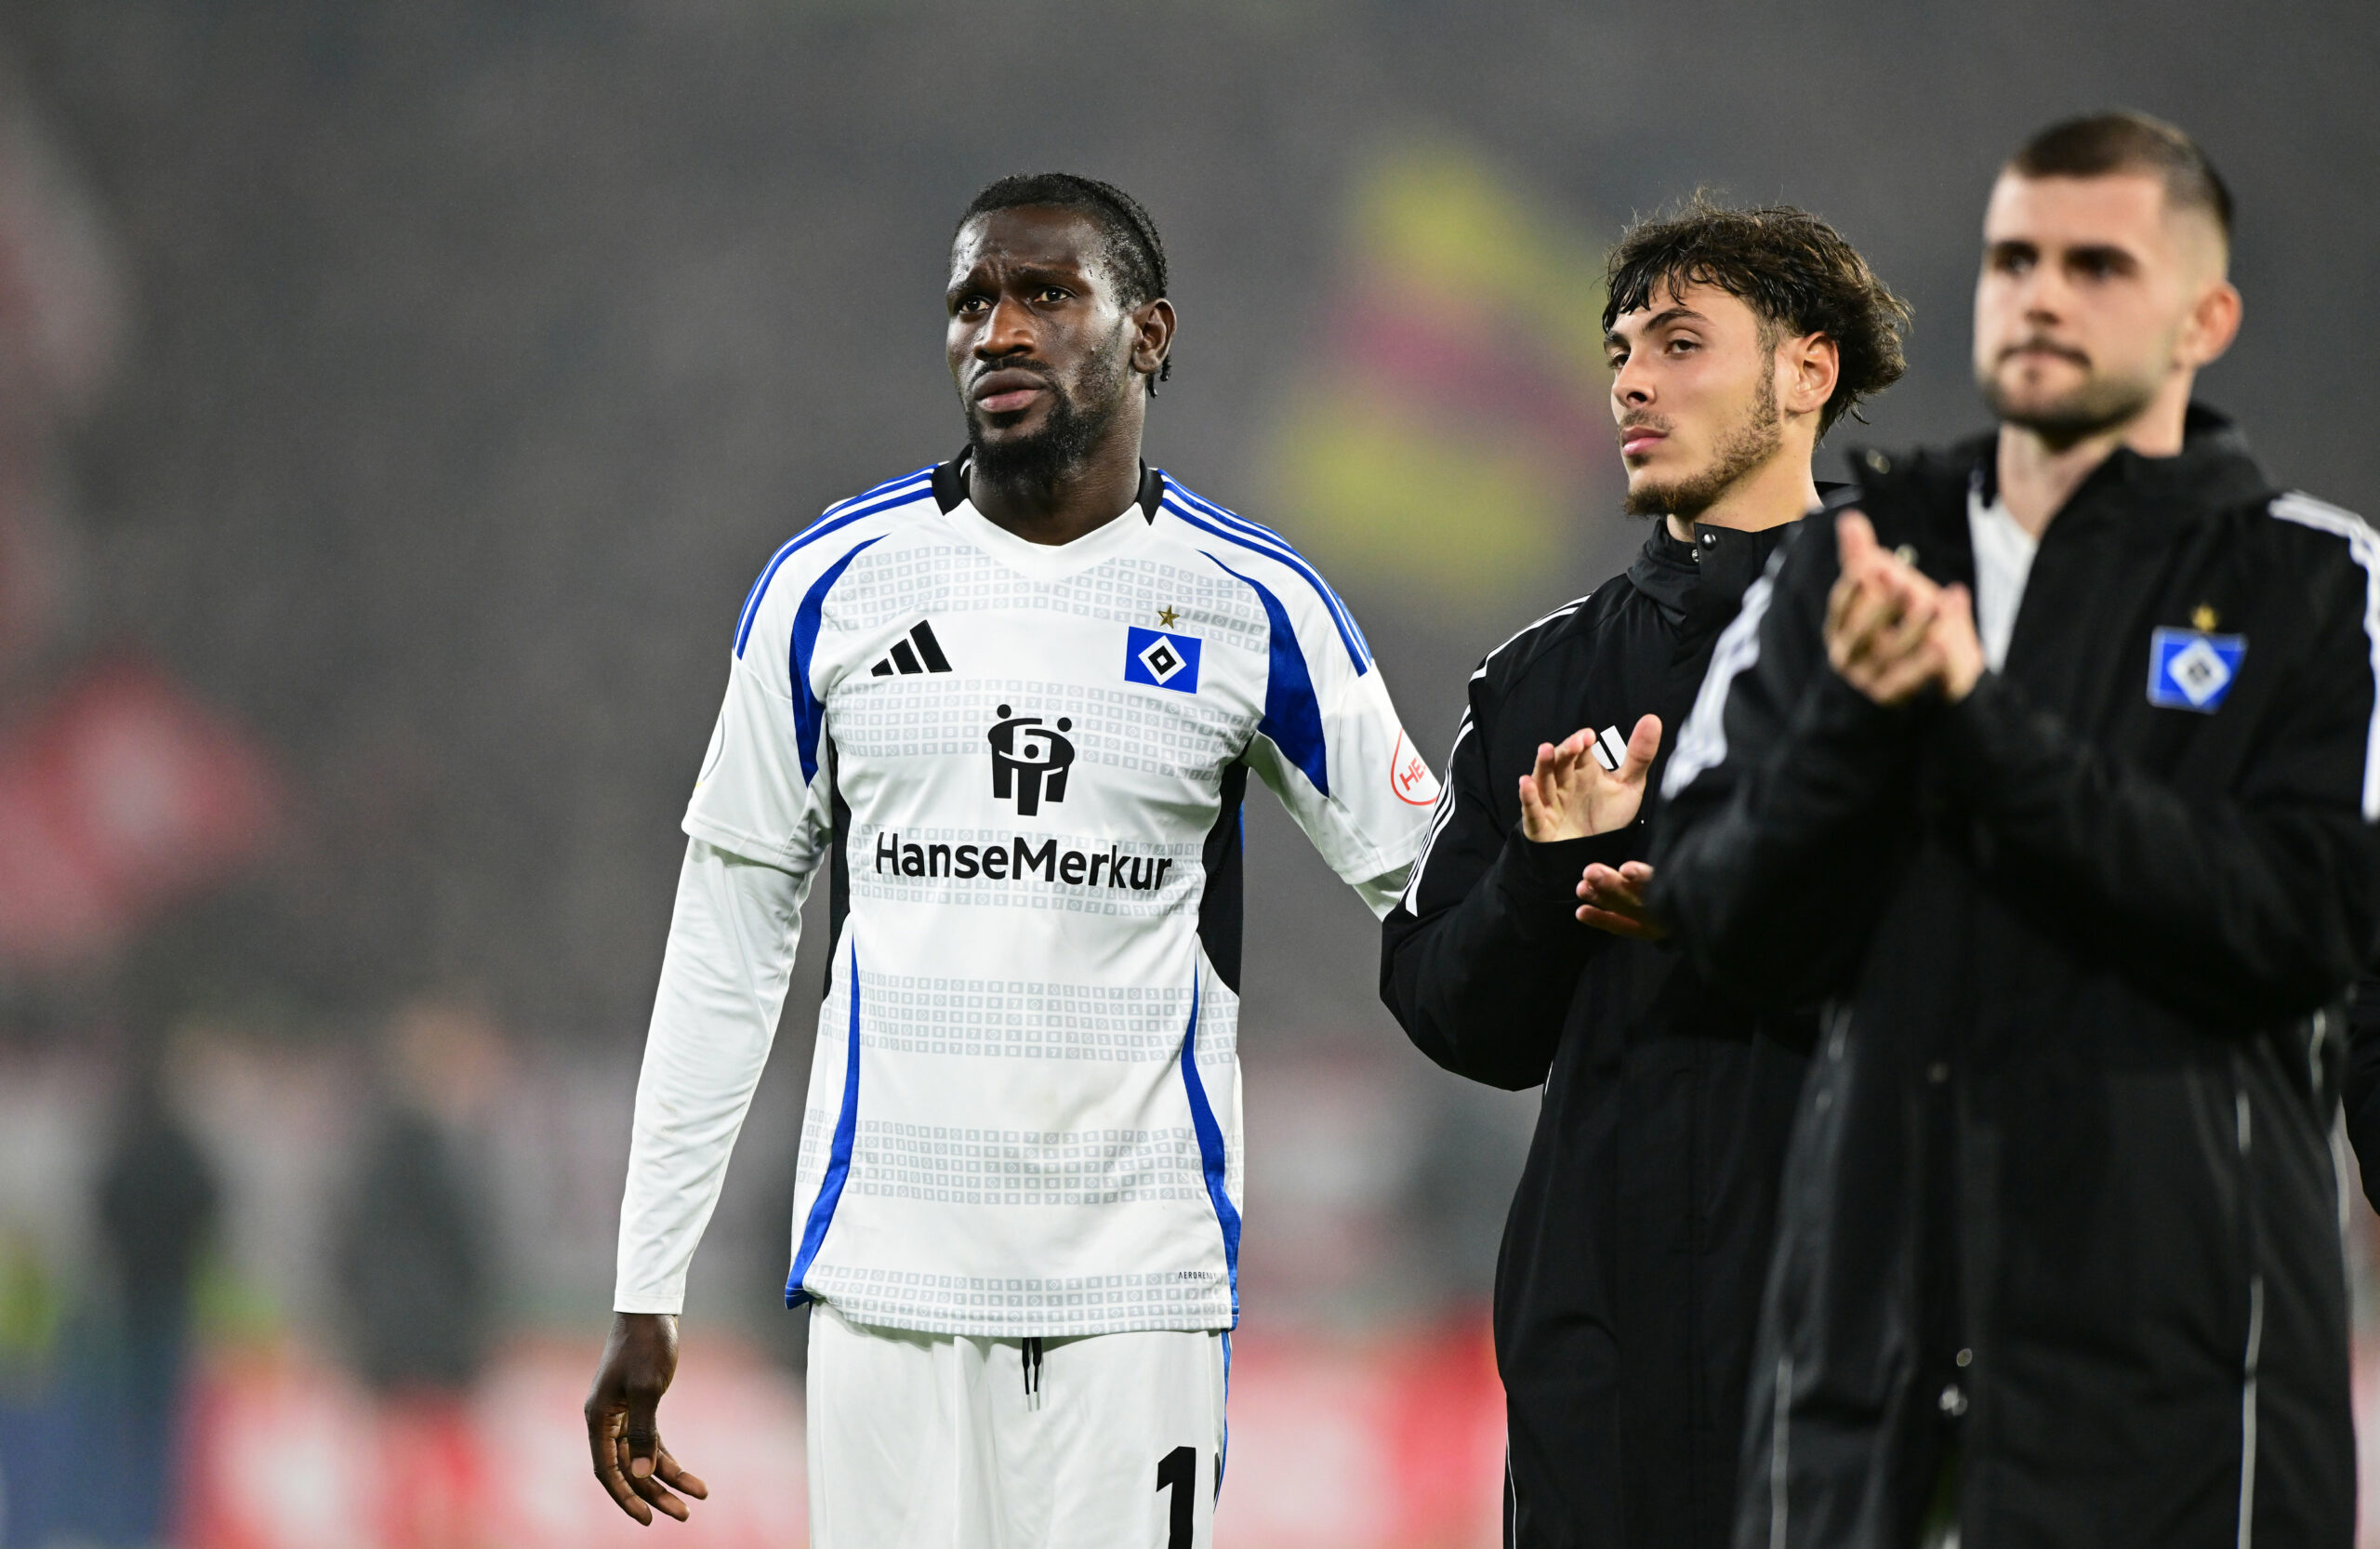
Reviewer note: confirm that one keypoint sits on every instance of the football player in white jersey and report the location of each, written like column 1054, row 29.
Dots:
column 1008, row 703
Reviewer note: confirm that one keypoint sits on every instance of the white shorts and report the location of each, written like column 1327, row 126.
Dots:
column 947, row 1442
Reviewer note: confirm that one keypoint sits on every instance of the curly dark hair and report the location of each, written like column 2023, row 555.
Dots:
column 1792, row 270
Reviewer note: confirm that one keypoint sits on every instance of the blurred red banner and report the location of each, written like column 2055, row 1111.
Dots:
column 1385, row 1444
column 119, row 795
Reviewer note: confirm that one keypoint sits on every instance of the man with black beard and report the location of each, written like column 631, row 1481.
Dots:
column 2054, row 767
column 1009, row 705
column 1634, row 1255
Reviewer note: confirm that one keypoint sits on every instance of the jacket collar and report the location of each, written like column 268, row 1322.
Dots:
column 1703, row 582
column 2212, row 473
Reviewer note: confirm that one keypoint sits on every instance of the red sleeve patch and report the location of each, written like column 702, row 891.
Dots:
column 1410, row 776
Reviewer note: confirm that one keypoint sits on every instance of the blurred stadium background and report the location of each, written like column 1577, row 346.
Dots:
column 395, row 403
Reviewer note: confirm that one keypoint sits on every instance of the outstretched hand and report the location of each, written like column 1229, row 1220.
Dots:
column 1569, row 795
column 639, row 1360
column 1614, row 901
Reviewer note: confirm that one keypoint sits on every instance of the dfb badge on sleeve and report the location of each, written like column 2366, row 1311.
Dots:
column 2189, row 670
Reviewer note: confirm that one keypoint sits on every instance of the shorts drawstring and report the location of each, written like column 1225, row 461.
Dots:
column 1031, row 1364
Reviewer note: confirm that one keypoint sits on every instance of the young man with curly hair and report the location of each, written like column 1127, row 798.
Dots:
column 1633, row 1257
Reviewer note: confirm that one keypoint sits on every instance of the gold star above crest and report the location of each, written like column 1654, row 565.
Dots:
column 2204, row 618
column 1166, row 617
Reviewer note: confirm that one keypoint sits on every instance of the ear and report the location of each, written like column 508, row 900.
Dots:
column 1808, row 369
column 2213, row 323
column 1152, row 335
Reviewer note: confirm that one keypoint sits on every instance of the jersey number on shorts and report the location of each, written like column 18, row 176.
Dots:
column 1177, row 1470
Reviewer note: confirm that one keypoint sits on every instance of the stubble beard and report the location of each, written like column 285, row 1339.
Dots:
column 2100, row 404
column 1079, row 419
column 1749, row 446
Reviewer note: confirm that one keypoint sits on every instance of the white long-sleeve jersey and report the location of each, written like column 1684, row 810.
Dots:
column 1023, row 766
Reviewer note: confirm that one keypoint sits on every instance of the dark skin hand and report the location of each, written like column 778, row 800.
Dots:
column 1034, row 314
column 639, row 1360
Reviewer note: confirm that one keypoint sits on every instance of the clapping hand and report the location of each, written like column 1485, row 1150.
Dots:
column 1569, row 795
column 1891, row 632
column 1614, row 901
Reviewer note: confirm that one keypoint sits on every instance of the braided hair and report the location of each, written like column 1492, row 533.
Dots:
column 1131, row 248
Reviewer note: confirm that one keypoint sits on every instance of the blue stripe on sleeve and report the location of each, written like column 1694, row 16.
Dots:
column 910, row 486
column 1293, row 713
column 911, row 477
column 1208, row 517
column 839, row 1157
column 1256, row 532
column 808, row 710
column 1211, row 1150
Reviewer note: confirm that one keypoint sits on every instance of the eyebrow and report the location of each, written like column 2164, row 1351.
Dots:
column 1076, row 275
column 2115, row 255
column 1658, row 320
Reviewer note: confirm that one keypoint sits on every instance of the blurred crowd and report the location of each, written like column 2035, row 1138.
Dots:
column 406, row 1204
column 195, row 1180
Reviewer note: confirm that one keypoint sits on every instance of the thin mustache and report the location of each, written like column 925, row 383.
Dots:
column 2061, row 351
column 1031, row 368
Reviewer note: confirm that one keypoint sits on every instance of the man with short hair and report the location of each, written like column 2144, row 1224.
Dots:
column 2052, row 767
column 1010, row 704
column 1634, row 1255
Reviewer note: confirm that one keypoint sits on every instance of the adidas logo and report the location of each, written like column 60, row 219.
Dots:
column 919, row 653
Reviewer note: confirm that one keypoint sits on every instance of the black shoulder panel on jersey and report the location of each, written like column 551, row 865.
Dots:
column 1221, row 906
column 839, row 874
column 950, row 482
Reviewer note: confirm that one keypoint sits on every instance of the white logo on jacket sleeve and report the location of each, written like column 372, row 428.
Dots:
column 1410, row 776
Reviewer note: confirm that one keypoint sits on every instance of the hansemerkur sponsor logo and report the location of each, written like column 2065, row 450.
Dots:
column 1020, row 860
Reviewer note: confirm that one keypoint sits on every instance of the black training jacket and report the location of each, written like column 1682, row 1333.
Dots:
column 1629, row 1280
column 2060, row 1219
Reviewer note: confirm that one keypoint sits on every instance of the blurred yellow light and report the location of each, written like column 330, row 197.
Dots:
column 1437, row 218
column 1438, row 440
column 1381, row 497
